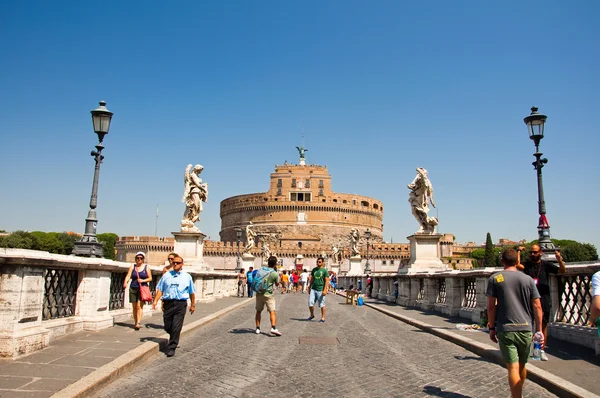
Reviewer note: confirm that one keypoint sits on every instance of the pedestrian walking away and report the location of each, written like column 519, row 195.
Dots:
column 241, row 283
column 263, row 283
column 318, row 284
column 139, row 275
column 304, row 280
column 513, row 300
column 175, row 288
column 540, row 270
column 249, row 279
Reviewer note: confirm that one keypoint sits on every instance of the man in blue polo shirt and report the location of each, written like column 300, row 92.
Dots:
column 175, row 288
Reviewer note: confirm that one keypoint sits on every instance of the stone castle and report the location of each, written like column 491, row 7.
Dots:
column 299, row 215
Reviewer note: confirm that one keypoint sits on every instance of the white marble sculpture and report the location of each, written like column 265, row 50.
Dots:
column 421, row 193
column 336, row 255
column 195, row 192
column 354, row 238
column 266, row 252
column 250, row 235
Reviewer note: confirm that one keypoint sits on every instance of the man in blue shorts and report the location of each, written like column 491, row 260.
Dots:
column 318, row 284
column 513, row 300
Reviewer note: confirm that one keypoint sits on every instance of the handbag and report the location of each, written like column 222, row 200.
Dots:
column 145, row 293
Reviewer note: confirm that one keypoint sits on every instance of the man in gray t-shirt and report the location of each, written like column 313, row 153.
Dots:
column 513, row 300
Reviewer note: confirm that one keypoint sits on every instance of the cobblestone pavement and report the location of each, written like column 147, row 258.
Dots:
column 376, row 356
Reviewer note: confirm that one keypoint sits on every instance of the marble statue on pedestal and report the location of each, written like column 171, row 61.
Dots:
column 336, row 255
column 354, row 238
column 421, row 194
column 195, row 192
column 250, row 235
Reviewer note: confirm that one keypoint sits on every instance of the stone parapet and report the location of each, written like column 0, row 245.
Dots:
column 43, row 296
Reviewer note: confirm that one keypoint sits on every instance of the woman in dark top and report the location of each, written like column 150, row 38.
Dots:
column 138, row 274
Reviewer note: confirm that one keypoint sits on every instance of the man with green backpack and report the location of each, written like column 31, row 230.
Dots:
column 262, row 284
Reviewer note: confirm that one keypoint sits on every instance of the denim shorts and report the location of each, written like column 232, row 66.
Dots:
column 314, row 296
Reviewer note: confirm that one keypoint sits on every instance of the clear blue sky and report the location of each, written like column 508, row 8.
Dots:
column 382, row 87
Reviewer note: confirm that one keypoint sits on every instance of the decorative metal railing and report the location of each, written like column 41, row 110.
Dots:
column 60, row 292
column 116, row 300
column 470, row 299
column 574, row 296
column 421, row 294
column 441, row 296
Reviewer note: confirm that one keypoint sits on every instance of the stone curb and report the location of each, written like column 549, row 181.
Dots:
column 552, row 383
column 107, row 373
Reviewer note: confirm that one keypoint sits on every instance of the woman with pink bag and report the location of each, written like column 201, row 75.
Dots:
column 140, row 276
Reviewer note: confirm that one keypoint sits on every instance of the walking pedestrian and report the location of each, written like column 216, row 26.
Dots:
column 169, row 266
column 513, row 300
column 296, row 279
column 595, row 307
column 285, row 280
column 138, row 274
column 264, row 281
column 318, row 283
column 249, row 281
column 175, row 288
column 540, row 271
column 241, row 283
column 304, row 280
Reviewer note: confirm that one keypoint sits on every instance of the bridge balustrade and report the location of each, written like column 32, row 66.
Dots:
column 463, row 293
column 43, row 296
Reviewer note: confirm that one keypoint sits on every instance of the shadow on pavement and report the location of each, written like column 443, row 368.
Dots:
column 125, row 325
column 303, row 319
column 436, row 391
column 471, row 358
column 153, row 326
column 162, row 343
column 243, row 331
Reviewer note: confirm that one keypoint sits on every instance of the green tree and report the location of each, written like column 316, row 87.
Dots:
column 47, row 242
column 490, row 254
column 68, row 241
column 108, row 239
column 18, row 240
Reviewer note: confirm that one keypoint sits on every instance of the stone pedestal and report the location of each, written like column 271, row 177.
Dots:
column 190, row 246
column 247, row 261
column 424, row 254
column 355, row 266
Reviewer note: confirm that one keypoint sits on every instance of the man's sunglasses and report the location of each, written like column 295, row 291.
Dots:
column 177, row 262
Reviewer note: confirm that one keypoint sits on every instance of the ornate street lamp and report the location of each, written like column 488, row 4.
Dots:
column 238, row 234
column 535, row 124
column 368, row 236
column 88, row 245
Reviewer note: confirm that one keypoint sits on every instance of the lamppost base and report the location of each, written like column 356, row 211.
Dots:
column 87, row 249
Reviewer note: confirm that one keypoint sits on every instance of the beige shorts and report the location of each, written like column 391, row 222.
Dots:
column 262, row 299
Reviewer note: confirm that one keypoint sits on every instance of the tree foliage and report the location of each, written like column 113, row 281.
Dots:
column 489, row 259
column 54, row 242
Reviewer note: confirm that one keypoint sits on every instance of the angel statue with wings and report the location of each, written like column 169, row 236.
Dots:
column 194, row 193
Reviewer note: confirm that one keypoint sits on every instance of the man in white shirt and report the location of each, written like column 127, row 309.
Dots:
column 304, row 280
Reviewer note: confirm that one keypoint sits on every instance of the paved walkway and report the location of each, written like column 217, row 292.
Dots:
column 573, row 363
column 74, row 356
column 357, row 352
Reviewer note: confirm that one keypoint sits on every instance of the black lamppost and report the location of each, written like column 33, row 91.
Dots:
column 88, row 245
column 535, row 124
column 238, row 234
column 368, row 236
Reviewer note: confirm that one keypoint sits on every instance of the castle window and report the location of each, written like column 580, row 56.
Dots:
column 321, row 192
column 321, row 184
column 353, row 201
column 279, row 191
column 293, row 183
column 384, row 262
column 376, row 206
column 364, row 203
column 279, row 183
column 307, row 185
column 344, row 201
column 300, row 196
column 335, row 201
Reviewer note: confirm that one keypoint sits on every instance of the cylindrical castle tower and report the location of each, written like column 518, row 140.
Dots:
column 300, row 206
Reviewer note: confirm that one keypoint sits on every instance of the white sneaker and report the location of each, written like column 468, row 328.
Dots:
column 275, row 332
column 257, row 331
column 543, row 356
